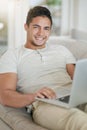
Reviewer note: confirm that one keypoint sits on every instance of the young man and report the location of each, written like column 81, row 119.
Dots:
column 33, row 70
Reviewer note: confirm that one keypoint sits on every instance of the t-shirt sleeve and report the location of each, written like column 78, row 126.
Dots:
column 70, row 59
column 8, row 62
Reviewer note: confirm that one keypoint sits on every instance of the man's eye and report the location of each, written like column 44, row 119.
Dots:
column 35, row 27
column 47, row 29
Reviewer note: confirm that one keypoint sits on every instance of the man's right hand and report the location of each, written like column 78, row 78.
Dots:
column 46, row 93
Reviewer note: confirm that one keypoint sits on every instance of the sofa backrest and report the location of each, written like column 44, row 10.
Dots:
column 77, row 47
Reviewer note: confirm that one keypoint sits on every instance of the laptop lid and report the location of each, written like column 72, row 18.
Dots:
column 79, row 85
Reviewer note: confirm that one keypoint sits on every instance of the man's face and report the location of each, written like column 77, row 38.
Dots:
column 38, row 32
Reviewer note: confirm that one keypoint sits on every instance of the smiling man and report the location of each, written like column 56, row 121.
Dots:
column 33, row 70
column 38, row 32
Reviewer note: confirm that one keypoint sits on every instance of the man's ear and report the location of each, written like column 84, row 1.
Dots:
column 25, row 26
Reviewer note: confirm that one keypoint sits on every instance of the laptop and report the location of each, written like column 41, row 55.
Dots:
column 77, row 94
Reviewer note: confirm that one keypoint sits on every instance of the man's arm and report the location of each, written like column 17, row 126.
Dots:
column 8, row 94
column 10, row 97
column 70, row 69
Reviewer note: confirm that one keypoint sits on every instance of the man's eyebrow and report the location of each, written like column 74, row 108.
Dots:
column 36, row 25
column 40, row 26
column 47, row 27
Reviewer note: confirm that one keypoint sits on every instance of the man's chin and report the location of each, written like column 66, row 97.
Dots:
column 40, row 43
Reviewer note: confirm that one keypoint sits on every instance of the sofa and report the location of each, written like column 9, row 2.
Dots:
column 18, row 118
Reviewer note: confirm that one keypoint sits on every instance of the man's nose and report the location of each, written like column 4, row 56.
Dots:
column 41, row 31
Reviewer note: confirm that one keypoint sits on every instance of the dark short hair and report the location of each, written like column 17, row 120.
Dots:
column 38, row 11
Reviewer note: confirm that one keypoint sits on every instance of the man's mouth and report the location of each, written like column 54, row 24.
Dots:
column 39, row 38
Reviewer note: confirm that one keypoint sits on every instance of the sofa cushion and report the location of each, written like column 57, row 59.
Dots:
column 77, row 47
column 18, row 119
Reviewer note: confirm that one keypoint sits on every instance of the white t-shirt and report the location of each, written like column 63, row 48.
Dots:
column 38, row 68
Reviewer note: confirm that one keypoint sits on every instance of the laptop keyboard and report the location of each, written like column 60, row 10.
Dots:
column 63, row 91
column 64, row 99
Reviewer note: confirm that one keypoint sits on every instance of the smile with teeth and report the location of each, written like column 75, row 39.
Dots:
column 39, row 38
